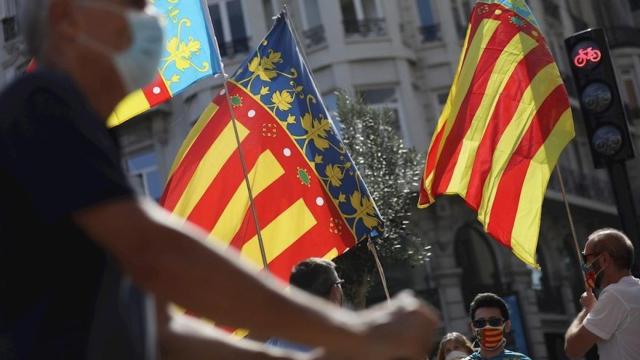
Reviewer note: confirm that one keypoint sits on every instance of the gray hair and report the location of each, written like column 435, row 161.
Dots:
column 34, row 23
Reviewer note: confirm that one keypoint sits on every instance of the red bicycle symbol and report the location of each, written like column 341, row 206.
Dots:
column 586, row 55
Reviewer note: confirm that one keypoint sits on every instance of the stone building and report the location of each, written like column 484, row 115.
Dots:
column 402, row 54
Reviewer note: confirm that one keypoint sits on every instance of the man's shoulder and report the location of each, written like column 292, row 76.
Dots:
column 38, row 90
column 512, row 355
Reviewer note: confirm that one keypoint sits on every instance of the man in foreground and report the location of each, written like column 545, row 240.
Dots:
column 613, row 320
column 490, row 323
column 71, row 228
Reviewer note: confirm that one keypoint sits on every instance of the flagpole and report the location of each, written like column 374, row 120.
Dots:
column 232, row 112
column 372, row 247
column 370, row 244
column 571, row 225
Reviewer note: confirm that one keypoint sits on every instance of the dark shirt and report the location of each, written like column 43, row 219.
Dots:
column 61, row 295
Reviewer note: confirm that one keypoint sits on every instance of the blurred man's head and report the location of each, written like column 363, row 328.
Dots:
column 318, row 277
column 608, row 254
column 115, row 43
column 490, row 321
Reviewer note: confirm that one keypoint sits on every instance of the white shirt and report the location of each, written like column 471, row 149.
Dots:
column 616, row 319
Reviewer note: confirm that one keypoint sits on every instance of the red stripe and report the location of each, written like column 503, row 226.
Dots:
column 156, row 92
column 473, row 98
column 316, row 242
column 187, row 167
column 213, row 202
column 504, row 111
column 505, row 204
column 431, row 162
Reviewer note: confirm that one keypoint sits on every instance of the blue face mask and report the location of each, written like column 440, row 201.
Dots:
column 138, row 64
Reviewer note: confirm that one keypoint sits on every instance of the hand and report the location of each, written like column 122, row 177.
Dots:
column 588, row 300
column 402, row 329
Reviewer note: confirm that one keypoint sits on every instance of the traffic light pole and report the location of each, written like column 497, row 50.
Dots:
column 626, row 208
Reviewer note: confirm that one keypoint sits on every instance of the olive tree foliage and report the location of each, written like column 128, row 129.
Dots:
column 391, row 172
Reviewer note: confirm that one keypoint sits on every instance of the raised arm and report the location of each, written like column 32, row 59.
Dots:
column 175, row 262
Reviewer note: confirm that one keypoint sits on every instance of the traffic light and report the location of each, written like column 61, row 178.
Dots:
column 604, row 115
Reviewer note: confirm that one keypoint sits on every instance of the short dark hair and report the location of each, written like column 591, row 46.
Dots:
column 316, row 276
column 615, row 243
column 488, row 300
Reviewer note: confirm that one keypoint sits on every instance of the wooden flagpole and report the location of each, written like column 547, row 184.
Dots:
column 571, row 225
column 243, row 162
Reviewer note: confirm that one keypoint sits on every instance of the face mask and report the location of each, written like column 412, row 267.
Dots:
column 491, row 338
column 593, row 276
column 456, row 355
column 138, row 64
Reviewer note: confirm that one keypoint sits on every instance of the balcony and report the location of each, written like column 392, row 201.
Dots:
column 365, row 28
column 583, row 185
column 234, row 47
column 623, row 36
column 314, row 36
column 430, row 33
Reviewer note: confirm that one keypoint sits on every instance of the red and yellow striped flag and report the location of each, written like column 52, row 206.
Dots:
column 505, row 123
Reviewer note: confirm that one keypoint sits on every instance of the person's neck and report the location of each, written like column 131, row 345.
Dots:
column 488, row 354
column 615, row 276
column 101, row 87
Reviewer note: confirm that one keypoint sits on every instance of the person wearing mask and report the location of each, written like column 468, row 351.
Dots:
column 454, row 346
column 612, row 321
column 489, row 323
column 82, row 259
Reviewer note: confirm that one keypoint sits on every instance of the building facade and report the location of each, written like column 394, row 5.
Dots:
column 402, row 54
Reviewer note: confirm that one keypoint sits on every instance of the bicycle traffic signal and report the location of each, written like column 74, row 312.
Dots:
column 604, row 115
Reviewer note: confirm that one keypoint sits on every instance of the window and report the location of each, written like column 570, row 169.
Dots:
column 144, row 175
column 477, row 259
column 364, row 17
column 269, row 12
column 385, row 98
column 9, row 28
column 229, row 25
column 630, row 93
column 313, row 33
column 461, row 12
column 429, row 29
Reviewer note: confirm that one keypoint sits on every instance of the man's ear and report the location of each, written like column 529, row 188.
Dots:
column 507, row 326
column 62, row 19
column 471, row 329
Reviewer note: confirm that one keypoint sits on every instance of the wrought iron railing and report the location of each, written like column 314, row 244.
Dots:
column 234, row 47
column 314, row 36
column 365, row 28
column 430, row 33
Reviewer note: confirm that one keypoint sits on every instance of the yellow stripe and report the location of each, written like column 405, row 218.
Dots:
column 513, row 53
column 539, row 89
column 331, row 254
column 462, row 82
column 215, row 158
column 264, row 173
column 134, row 104
column 195, row 131
column 280, row 233
column 526, row 228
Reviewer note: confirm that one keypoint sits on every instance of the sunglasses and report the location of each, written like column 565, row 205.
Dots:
column 493, row 322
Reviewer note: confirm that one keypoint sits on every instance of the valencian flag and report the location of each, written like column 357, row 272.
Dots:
column 505, row 123
column 309, row 197
column 189, row 55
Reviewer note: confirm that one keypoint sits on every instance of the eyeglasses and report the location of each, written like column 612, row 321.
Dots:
column 493, row 322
